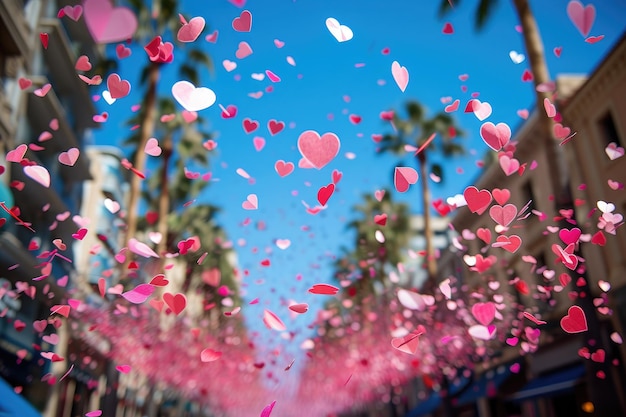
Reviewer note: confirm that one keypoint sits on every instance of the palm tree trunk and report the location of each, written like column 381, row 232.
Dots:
column 148, row 122
column 431, row 262
column 537, row 59
column 164, row 197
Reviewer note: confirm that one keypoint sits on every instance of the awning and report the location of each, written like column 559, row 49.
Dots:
column 426, row 407
column 486, row 386
column 551, row 384
column 14, row 405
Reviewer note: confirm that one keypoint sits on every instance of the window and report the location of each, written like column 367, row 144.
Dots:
column 608, row 129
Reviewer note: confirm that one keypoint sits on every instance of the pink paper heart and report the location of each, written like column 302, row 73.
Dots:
column 190, row 31
column 484, row 313
column 192, row 98
column 117, row 87
column 259, row 143
column 141, row 249
column 244, row 50
column 243, row 23
column 210, row 355
column 503, row 216
column 481, row 332
column 139, row 294
column 299, row 308
column 39, row 174
column 41, row 92
column 509, row 165
column 17, row 154
column 251, row 203
column 70, row 157
column 495, row 136
column 212, row 37
column 272, row 321
column 400, row 75
column 189, row 116
column 581, row 16
column 318, row 150
column 272, row 77
column 82, row 63
column 108, row 24
column 481, row 110
column 123, row 368
column 73, row 12
column 283, row 168
column 452, row 107
column 404, row 177
column 267, row 410
column 410, row 342
column 152, row 147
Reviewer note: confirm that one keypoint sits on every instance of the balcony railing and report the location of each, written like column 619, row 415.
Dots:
column 14, row 32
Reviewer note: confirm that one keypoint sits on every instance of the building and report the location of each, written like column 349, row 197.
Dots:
column 46, row 111
column 557, row 373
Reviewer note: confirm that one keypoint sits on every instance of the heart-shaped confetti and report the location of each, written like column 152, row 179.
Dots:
column 243, row 23
column 283, row 168
column 108, row 24
column 139, row 294
column 575, row 320
column 190, row 31
column 175, row 302
column 341, row 32
column 403, row 177
column 193, row 98
column 495, row 136
column 69, row 157
column 400, row 75
column 318, row 150
column 39, row 174
column 581, row 16
column 409, row 343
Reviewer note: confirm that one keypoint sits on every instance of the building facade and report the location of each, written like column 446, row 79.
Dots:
column 46, row 113
column 557, row 372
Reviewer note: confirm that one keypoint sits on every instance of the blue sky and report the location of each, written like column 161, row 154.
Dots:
column 325, row 75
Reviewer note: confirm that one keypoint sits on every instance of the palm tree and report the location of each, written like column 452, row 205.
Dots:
column 368, row 263
column 372, row 253
column 155, row 17
column 537, row 59
column 415, row 131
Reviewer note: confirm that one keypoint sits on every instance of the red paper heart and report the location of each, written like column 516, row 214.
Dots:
column 243, row 23
column 250, row 125
column 575, row 320
column 410, row 342
column 176, row 303
column 275, row 127
column 477, row 201
column 323, row 289
column 324, row 193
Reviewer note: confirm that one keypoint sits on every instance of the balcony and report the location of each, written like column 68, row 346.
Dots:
column 41, row 110
column 14, row 31
column 60, row 60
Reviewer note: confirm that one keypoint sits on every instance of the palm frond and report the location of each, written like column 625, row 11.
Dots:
column 484, row 11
